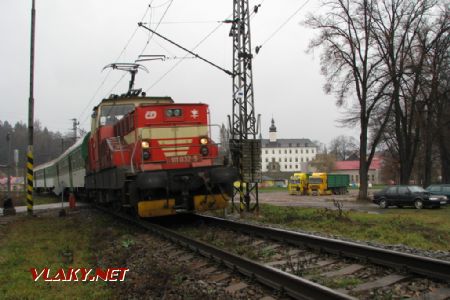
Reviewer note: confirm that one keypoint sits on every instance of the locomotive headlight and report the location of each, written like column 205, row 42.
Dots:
column 145, row 145
column 204, row 141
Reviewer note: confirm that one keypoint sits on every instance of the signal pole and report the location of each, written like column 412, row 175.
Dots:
column 31, row 117
column 244, row 146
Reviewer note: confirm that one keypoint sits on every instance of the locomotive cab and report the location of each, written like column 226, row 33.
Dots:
column 156, row 156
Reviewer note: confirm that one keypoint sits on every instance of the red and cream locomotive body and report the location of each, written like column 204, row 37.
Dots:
column 155, row 156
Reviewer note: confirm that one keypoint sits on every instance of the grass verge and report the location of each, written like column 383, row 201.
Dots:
column 41, row 242
column 427, row 229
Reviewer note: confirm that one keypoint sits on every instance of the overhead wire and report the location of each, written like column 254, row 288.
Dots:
column 282, row 25
column 196, row 46
column 145, row 46
column 156, row 28
column 181, row 60
column 109, row 71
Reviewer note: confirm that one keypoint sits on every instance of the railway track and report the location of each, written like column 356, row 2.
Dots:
column 287, row 284
column 429, row 267
column 277, row 275
column 373, row 270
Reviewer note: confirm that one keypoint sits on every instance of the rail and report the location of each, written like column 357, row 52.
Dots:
column 430, row 267
column 291, row 285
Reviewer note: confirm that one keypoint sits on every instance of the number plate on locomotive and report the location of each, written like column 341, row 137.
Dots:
column 183, row 159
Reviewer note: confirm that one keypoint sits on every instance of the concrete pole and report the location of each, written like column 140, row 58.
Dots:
column 31, row 117
column 8, row 170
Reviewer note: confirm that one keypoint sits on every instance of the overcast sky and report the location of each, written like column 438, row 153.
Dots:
column 76, row 39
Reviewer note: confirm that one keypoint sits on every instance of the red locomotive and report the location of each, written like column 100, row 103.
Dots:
column 155, row 156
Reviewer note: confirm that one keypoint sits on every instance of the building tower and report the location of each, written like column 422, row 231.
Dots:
column 273, row 132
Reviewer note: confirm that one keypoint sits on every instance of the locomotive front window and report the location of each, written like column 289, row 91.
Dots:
column 110, row 114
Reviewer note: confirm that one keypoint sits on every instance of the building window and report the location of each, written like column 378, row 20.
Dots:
column 267, row 152
column 296, row 151
column 290, row 151
column 301, row 151
column 290, row 159
column 296, row 167
column 273, row 151
column 279, row 151
column 307, row 159
column 285, row 166
column 267, row 160
column 373, row 177
column 296, row 159
column 307, row 151
column 279, row 159
column 273, row 159
column 312, row 151
column 285, row 151
column 302, row 159
column 285, row 159
column 290, row 166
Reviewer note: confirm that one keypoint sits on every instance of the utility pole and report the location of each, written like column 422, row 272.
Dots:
column 245, row 148
column 75, row 124
column 8, row 170
column 31, row 117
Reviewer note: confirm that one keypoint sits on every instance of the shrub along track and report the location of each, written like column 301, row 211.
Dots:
column 359, row 270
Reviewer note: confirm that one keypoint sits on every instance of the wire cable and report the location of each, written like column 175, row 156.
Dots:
column 117, row 59
column 181, row 60
column 282, row 25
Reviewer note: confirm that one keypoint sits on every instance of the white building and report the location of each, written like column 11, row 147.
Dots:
column 286, row 155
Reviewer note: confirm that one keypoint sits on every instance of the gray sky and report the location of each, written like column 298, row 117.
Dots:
column 76, row 39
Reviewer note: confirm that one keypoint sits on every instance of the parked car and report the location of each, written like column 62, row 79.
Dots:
column 440, row 189
column 407, row 195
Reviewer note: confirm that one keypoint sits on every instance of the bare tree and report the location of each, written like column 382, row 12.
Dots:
column 353, row 69
column 396, row 30
column 343, row 146
column 435, row 87
column 324, row 162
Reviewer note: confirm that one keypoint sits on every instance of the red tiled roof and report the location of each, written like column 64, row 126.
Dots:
column 354, row 165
